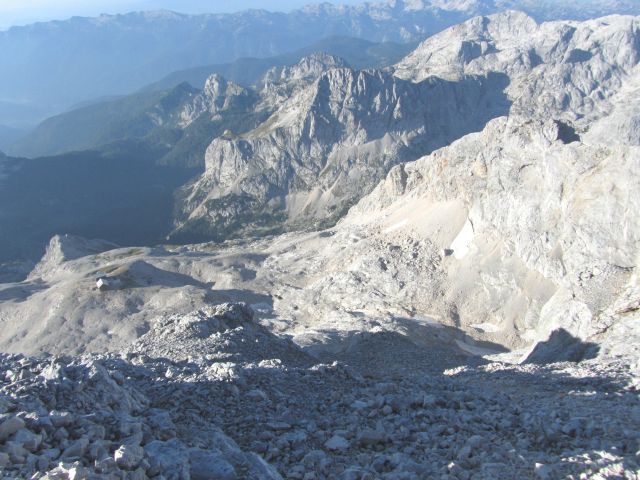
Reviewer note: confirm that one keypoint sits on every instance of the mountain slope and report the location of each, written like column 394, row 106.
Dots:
column 78, row 56
column 102, row 123
column 123, row 191
column 492, row 242
column 320, row 135
column 10, row 135
column 168, row 122
column 538, row 231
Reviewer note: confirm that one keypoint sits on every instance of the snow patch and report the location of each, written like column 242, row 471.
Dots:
column 396, row 226
column 428, row 321
column 486, row 327
column 462, row 243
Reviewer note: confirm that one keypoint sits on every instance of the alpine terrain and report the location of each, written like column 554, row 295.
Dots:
column 372, row 261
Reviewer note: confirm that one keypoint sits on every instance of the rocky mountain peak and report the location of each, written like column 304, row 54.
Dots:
column 218, row 95
column 63, row 248
column 217, row 87
column 318, row 151
column 431, row 273
column 328, row 143
column 449, row 51
column 308, row 68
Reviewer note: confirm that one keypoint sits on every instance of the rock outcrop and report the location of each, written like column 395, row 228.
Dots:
column 63, row 248
column 545, row 236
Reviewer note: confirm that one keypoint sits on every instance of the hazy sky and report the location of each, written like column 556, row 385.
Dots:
column 20, row 12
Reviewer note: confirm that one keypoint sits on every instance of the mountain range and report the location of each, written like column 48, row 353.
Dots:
column 467, row 166
column 105, row 121
column 77, row 58
column 303, row 143
column 359, row 259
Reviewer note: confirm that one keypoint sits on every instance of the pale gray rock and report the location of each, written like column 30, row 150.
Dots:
column 560, row 258
column 488, row 244
column 566, row 70
column 218, row 95
column 309, row 68
column 180, row 41
column 327, row 145
column 579, row 258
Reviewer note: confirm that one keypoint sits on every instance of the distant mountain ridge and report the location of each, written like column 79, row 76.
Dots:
column 98, row 124
column 166, row 42
column 357, row 52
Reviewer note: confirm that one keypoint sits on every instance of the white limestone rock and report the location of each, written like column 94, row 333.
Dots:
column 564, row 69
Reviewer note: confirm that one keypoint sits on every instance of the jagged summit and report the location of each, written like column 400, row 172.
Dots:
column 63, row 248
column 327, row 143
column 218, row 95
column 180, row 42
column 308, row 68
column 555, row 69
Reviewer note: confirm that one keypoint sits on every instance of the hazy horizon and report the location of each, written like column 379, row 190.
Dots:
column 24, row 12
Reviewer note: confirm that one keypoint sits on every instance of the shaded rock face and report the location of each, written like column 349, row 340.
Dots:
column 561, row 346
